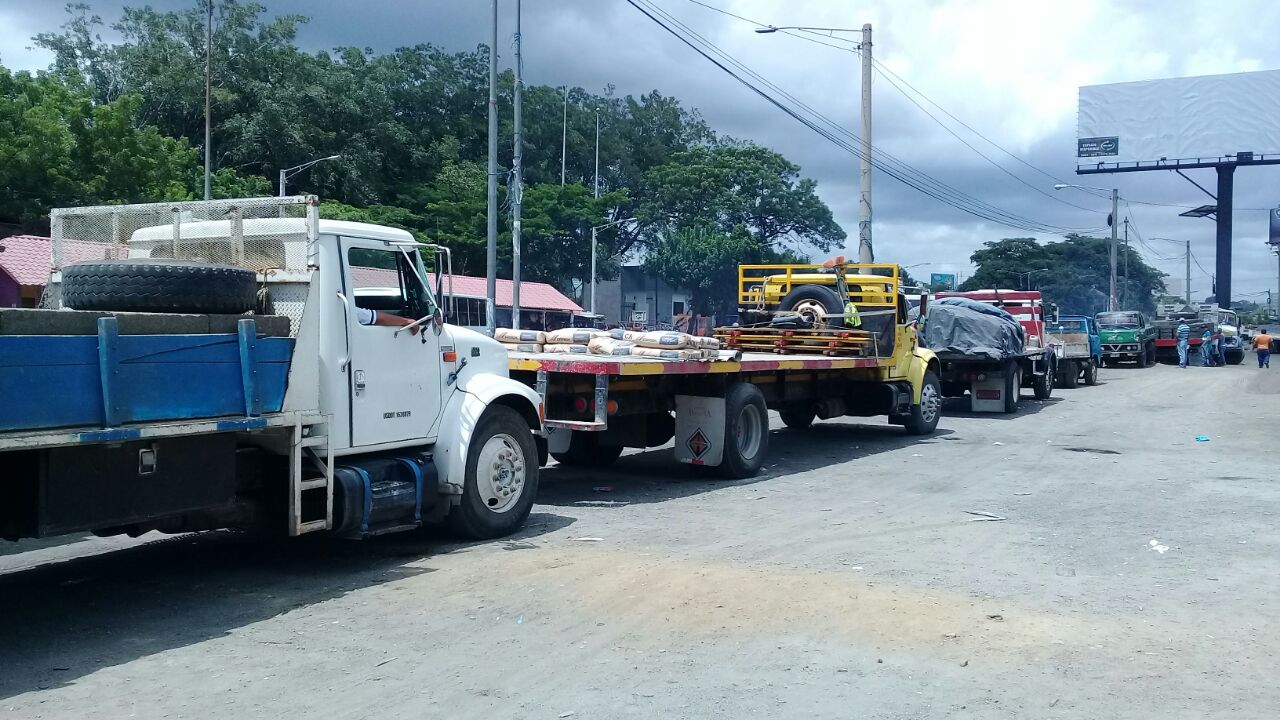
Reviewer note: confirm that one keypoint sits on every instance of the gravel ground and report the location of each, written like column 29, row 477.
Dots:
column 1134, row 575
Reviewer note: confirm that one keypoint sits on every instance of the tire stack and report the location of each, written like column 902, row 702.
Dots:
column 159, row 286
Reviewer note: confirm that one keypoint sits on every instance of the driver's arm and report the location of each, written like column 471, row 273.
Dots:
column 366, row 316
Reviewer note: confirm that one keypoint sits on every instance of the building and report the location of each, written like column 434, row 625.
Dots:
column 26, row 261
column 541, row 305
column 639, row 299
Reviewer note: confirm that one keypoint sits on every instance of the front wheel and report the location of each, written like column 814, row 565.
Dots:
column 1090, row 373
column 501, row 477
column 746, row 431
column 924, row 417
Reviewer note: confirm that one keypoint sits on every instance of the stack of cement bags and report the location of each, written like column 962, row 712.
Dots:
column 530, row 341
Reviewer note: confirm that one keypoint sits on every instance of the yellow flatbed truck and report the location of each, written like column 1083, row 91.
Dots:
column 717, row 410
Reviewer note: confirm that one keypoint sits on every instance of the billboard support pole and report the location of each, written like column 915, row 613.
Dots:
column 1226, row 188
column 1115, row 212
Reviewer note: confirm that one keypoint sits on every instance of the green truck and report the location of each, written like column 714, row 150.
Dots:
column 1127, row 335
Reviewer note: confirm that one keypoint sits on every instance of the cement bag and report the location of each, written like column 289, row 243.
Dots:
column 628, row 335
column 666, row 354
column 664, row 339
column 608, row 346
column 704, row 343
column 522, row 347
column 571, row 336
column 507, row 335
column 567, row 348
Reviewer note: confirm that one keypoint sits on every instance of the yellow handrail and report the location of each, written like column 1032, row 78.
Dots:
column 870, row 284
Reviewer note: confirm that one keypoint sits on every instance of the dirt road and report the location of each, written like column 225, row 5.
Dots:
column 1135, row 575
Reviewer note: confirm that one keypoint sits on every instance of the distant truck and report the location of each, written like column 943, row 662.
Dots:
column 1227, row 324
column 1079, row 349
column 1169, row 317
column 995, row 375
column 1127, row 336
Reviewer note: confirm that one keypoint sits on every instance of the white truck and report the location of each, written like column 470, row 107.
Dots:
column 208, row 365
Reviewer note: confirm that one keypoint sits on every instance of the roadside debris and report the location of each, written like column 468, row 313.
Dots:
column 985, row 516
column 589, row 539
column 1155, row 545
column 997, row 617
column 1202, row 438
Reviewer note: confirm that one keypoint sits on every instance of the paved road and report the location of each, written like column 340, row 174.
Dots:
column 1134, row 577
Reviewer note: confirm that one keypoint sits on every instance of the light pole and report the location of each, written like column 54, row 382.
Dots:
column 1027, row 283
column 594, row 229
column 517, row 180
column 491, row 214
column 592, row 307
column 1115, row 211
column 287, row 173
column 564, row 134
column 866, row 252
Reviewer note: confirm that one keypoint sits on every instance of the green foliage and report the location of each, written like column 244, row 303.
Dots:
column 1076, row 272
column 704, row 260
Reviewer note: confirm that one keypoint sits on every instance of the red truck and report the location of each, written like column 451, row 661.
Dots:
column 994, row 383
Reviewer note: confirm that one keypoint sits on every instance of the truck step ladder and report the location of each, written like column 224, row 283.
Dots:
column 310, row 452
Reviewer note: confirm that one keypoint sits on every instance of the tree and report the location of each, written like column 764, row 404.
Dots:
column 738, row 186
column 1073, row 272
column 703, row 260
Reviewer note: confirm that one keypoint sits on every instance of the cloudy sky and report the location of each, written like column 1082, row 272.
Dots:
column 1009, row 69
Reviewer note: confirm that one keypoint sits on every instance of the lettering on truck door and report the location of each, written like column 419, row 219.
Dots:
column 395, row 379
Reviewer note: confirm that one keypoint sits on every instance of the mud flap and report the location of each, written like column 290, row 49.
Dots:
column 699, row 436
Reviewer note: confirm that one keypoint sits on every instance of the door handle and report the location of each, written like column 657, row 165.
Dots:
column 345, row 360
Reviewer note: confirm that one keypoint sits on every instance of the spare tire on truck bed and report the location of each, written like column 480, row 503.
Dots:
column 159, row 286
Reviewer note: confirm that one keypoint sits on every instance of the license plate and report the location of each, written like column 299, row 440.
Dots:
column 989, row 394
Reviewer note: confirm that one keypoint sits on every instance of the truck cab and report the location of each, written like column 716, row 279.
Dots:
column 382, row 416
column 1126, row 335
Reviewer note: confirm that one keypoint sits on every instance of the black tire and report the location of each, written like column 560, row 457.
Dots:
column 798, row 417
column 1090, row 373
column 473, row 517
column 815, row 294
column 1235, row 357
column 1043, row 385
column 925, row 415
column 1069, row 373
column 586, row 450
column 746, row 431
column 160, row 286
column 1012, row 389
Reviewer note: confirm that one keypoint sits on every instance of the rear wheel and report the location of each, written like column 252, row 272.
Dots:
column 501, row 477
column 1043, row 386
column 798, row 417
column 1069, row 373
column 1012, row 389
column 924, row 416
column 812, row 302
column 746, row 431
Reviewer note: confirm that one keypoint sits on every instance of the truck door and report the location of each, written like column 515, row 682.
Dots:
column 395, row 379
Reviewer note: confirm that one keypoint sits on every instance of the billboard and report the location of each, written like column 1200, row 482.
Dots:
column 1274, row 236
column 942, row 281
column 1209, row 117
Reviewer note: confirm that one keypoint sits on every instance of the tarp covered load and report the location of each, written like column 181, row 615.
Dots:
column 966, row 327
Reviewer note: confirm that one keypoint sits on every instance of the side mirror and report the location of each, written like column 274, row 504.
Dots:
column 1053, row 313
column 437, row 320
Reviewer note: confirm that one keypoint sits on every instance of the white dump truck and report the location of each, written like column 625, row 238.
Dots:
column 212, row 364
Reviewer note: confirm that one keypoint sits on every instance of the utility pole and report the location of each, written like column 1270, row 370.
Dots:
column 517, row 184
column 593, row 228
column 866, row 252
column 491, row 257
column 208, row 101
column 1188, row 287
column 564, row 134
column 1126, row 262
column 1276, row 248
column 1115, row 212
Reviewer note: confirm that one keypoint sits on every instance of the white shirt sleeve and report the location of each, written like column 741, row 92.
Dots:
column 365, row 316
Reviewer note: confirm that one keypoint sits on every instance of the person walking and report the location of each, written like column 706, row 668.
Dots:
column 1206, row 349
column 1262, row 345
column 1183, row 333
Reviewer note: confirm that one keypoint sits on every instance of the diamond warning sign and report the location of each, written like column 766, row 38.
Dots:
column 698, row 443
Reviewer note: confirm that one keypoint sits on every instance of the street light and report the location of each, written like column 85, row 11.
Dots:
column 1028, row 273
column 594, row 228
column 290, row 172
column 1115, row 211
column 866, row 253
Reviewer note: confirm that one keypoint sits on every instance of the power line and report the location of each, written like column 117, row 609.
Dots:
column 879, row 67
column 784, row 32
column 886, row 162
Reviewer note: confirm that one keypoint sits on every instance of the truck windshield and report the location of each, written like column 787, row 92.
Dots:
column 1070, row 326
column 1118, row 320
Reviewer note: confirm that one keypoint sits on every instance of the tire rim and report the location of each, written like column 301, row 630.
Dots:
column 500, row 473
column 811, row 310
column 930, row 400
column 749, row 432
